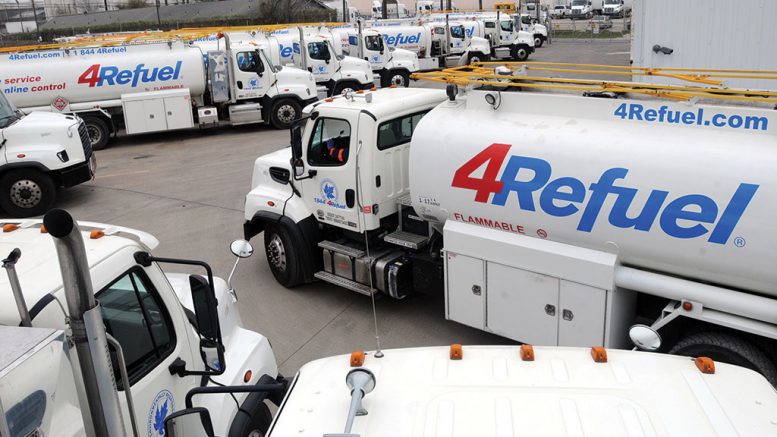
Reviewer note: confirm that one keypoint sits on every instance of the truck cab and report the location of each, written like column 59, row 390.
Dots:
column 580, row 9
column 315, row 182
column 161, row 321
column 392, row 65
column 40, row 153
column 336, row 72
column 536, row 30
column 616, row 8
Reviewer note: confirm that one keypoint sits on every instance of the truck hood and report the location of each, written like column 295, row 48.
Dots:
column 355, row 68
column 405, row 58
column 478, row 44
column 41, row 134
column 524, row 37
column 296, row 77
column 279, row 158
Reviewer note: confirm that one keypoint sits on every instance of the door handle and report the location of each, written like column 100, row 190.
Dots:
column 550, row 310
column 567, row 315
column 476, row 290
column 350, row 198
column 240, row 84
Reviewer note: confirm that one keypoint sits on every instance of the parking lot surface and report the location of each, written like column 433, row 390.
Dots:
column 187, row 188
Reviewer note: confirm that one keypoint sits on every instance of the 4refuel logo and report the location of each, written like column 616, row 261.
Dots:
column 98, row 75
column 526, row 179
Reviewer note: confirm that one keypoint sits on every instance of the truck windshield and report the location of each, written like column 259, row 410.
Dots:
column 8, row 113
column 579, row 2
column 612, row 2
column 458, row 32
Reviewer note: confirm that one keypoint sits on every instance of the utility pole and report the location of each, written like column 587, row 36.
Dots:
column 158, row 18
column 35, row 16
column 480, row 5
column 345, row 11
column 384, row 12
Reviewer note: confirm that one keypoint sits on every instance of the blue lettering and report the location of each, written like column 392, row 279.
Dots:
column 676, row 211
column 107, row 75
column 599, row 192
column 635, row 111
column 552, row 192
column 524, row 190
column 733, row 212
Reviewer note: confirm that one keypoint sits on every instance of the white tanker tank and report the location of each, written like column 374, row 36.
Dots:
column 158, row 85
column 688, row 193
column 33, row 81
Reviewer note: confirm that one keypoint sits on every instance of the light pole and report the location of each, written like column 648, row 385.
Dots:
column 158, row 19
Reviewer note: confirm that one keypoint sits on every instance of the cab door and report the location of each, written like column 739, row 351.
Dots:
column 330, row 152
column 142, row 313
column 375, row 51
column 251, row 78
column 321, row 61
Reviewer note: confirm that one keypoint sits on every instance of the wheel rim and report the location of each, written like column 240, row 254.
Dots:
column 347, row 90
column 276, row 253
column 398, row 80
column 255, row 433
column 95, row 134
column 537, row 42
column 286, row 114
column 474, row 59
column 26, row 193
column 522, row 54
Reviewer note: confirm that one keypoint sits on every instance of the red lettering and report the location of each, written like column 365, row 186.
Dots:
column 91, row 76
column 494, row 155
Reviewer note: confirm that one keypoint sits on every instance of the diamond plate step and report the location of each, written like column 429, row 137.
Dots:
column 341, row 248
column 406, row 239
column 343, row 282
column 405, row 200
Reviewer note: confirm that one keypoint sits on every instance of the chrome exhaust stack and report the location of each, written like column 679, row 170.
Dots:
column 86, row 323
column 9, row 264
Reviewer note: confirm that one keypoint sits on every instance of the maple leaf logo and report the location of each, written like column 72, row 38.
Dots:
column 159, row 419
column 329, row 191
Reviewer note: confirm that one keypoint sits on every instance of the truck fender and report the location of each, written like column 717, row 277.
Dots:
column 15, row 165
column 99, row 113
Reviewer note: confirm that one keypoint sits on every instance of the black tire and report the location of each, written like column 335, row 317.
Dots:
column 98, row 130
column 727, row 348
column 282, row 256
column 342, row 86
column 519, row 53
column 400, row 78
column 284, row 112
column 538, row 40
column 477, row 57
column 255, row 426
column 26, row 192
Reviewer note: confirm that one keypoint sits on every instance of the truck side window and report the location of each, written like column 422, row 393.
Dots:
column 374, row 43
column 248, row 61
column 398, row 131
column 490, row 25
column 439, row 31
column 330, row 142
column 135, row 316
column 507, row 26
column 318, row 51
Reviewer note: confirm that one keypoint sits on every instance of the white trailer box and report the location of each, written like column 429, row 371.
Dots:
column 705, row 34
column 157, row 111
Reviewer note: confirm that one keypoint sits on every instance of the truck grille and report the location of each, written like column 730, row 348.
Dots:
column 86, row 142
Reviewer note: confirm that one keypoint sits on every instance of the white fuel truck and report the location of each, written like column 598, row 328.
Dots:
column 155, row 86
column 546, row 218
column 436, row 44
column 40, row 153
column 390, row 65
column 105, row 343
column 333, row 70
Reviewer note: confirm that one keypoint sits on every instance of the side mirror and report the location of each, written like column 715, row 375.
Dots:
column 299, row 167
column 205, row 424
column 205, row 308
column 645, row 338
column 241, row 248
column 296, row 140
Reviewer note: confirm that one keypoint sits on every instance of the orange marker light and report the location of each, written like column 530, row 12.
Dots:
column 706, row 365
column 10, row 227
column 247, row 376
column 270, row 203
column 456, row 352
column 21, row 155
column 43, row 230
column 360, row 92
column 527, row 352
column 330, row 99
column 599, row 354
column 357, row 358
column 687, row 306
column 96, row 234
column 374, row 89
column 392, row 86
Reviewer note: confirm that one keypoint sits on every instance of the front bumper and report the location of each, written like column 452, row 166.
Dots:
column 78, row 174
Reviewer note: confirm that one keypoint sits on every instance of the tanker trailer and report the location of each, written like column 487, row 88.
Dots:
column 153, row 86
column 544, row 218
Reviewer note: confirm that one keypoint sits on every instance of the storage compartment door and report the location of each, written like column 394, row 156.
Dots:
column 522, row 305
column 581, row 317
column 178, row 111
column 142, row 116
column 465, row 290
